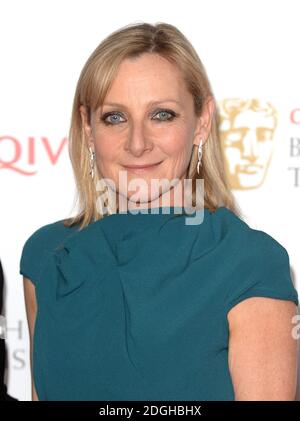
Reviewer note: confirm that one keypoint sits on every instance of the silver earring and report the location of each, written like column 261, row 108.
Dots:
column 92, row 161
column 199, row 155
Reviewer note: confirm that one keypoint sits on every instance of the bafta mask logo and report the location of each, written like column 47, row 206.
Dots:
column 246, row 132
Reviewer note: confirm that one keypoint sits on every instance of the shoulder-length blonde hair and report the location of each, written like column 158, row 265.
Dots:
column 94, row 82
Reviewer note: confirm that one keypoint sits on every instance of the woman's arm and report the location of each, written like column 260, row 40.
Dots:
column 31, row 307
column 262, row 353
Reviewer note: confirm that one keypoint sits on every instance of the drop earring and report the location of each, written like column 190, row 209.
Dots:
column 92, row 162
column 199, row 155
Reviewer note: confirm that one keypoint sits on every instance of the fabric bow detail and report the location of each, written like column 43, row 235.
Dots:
column 73, row 269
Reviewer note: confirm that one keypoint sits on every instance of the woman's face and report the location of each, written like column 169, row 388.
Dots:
column 147, row 118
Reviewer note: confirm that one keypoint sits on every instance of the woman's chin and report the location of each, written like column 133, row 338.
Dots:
column 138, row 201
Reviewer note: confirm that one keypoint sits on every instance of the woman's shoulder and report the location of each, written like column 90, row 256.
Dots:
column 49, row 233
column 42, row 240
column 259, row 263
column 227, row 223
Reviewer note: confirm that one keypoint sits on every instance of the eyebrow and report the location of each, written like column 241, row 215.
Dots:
column 116, row 104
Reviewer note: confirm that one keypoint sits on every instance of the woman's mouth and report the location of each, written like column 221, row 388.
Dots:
column 141, row 169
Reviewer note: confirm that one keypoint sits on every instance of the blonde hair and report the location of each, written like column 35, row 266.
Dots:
column 94, row 82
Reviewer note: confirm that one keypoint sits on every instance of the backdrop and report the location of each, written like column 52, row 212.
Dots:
column 250, row 50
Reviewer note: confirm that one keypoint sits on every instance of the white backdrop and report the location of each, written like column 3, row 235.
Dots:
column 250, row 49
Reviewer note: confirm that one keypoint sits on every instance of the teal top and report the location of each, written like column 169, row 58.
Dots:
column 134, row 306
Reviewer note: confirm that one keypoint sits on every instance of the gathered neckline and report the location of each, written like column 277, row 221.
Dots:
column 141, row 213
column 120, row 237
column 161, row 211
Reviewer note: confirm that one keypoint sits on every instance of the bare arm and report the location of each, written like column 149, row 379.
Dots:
column 262, row 351
column 31, row 308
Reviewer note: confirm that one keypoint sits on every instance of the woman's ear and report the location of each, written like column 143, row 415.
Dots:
column 85, row 122
column 205, row 121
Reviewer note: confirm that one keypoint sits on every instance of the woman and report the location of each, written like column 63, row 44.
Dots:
column 128, row 305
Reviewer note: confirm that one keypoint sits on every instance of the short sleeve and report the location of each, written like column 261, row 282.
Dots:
column 263, row 270
column 35, row 249
column 32, row 254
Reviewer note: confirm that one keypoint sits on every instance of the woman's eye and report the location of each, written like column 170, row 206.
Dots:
column 113, row 120
column 166, row 115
